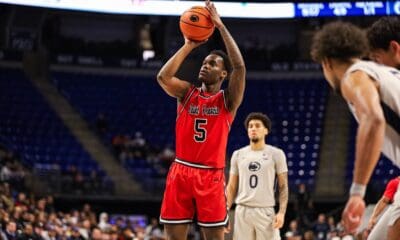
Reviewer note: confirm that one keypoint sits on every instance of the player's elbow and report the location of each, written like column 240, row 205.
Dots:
column 160, row 78
column 377, row 120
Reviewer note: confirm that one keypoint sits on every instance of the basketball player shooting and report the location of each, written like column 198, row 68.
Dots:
column 372, row 92
column 196, row 181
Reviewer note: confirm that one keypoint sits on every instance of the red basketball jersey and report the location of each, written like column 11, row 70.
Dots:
column 202, row 128
column 391, row 188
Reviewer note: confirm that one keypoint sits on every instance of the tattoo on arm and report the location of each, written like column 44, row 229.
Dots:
column 283, row 192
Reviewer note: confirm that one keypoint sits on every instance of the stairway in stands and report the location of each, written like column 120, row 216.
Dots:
column 79, row 128
column 331, row 175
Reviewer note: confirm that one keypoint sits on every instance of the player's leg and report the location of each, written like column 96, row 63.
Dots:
column 213, row 233
column 394, row 224
column 243, row 227
column 210, row 201
column 177, row 209
column 263, row 222
column 379, row 231
column 176, row 231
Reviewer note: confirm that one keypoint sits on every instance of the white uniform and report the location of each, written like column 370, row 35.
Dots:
column 388, row 80
column 255, row 199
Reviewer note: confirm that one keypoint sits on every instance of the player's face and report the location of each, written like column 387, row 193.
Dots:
column 212, row 69
column 256, row 130
column 389, row 57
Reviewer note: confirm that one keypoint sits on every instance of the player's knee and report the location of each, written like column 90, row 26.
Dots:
column 216, row 233
column 175, row 236
column 176, row 232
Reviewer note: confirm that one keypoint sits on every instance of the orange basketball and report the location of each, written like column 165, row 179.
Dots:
column 196, row 24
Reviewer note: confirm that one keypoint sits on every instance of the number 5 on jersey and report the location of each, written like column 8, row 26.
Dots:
column 200, row 132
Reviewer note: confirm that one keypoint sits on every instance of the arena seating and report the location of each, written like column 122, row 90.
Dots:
column 296, row 108
column 133, row 104
column 32, row 129
column 130, row 104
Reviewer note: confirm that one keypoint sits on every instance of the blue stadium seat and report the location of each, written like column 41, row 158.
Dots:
column 32, row 129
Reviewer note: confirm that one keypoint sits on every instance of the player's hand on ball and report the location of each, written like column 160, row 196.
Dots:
column 279, row 220
column 353, row 213
column 214, row 14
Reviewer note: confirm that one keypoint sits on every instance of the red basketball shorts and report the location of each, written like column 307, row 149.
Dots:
column 190, row 190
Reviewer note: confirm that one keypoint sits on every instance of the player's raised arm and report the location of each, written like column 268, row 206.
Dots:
column 235, row 91
column 172, row 85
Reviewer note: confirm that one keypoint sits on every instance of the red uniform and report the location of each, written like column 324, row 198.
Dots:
column 196, row 182
column 391, row 188
column 202, row 128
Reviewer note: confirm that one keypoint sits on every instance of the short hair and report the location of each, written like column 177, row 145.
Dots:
column 258, row 116
column 227, row 61
column 383, row 31
column 339, row 40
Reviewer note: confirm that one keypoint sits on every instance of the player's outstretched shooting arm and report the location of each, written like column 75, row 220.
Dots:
column 236, row 85
column 172, row 85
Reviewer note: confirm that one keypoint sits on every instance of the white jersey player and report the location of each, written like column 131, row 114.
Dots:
column 373, row 94
column 387, row 81
column 253, row 171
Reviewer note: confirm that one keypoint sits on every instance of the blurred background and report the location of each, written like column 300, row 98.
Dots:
column 87, row 134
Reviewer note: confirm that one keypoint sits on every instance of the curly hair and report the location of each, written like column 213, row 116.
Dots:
column 227, row 61
column 339, row 40
column 383, row 31
column 258, row 116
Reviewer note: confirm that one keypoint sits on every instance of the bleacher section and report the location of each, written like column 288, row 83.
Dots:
column 130, row 104
column 133, row 104
column 296, row 108
column 31, row 128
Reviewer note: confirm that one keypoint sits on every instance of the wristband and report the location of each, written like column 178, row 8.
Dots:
column 358, row 189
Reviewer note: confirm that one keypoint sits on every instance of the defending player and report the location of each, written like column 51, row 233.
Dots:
column 251, row 181
column 373, row 94
column 196, row 182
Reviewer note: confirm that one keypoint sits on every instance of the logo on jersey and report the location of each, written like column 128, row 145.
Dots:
column 254, row 166
column 205, row 110
column 194, row 110
column 210, row 110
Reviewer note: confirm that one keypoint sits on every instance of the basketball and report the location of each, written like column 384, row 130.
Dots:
column 196, row 24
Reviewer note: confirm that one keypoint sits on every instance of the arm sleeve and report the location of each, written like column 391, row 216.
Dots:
column 391, row 189
column 234, row 163
column 280, row 162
